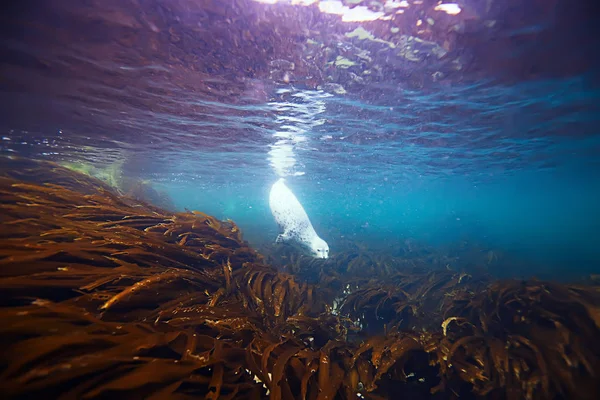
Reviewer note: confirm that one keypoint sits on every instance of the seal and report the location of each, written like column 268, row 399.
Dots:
column 293, row 221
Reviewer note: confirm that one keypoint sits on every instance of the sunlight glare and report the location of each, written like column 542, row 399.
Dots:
column 356, row 14
column 448, row 8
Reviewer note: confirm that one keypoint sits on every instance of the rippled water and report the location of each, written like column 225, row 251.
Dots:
column 212, row 101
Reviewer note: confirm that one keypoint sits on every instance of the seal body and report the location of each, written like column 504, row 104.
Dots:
column 293, row 221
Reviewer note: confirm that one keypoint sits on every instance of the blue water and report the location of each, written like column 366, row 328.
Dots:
column 515, row 176
column 503, row 165
column 546, row 217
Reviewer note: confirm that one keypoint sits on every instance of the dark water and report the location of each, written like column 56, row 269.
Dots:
column 477, row 129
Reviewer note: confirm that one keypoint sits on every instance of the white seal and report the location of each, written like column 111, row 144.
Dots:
column 293, row 221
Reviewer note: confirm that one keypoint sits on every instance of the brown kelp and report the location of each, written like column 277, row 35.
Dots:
column 103, row 296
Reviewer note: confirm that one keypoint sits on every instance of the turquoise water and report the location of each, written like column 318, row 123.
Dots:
column 546, row 217
column 523, row 181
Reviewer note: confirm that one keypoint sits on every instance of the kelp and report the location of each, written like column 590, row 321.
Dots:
column 411, row 299
column 102, row 295
column 539, row 335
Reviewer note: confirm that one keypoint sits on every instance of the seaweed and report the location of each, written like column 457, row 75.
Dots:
column 103, row 295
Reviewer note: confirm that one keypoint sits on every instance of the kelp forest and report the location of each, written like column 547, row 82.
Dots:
column 104, row 296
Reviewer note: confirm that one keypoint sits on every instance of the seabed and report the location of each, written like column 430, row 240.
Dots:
column 105, row 296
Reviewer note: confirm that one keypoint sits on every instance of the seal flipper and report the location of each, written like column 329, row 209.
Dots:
column 282, row 237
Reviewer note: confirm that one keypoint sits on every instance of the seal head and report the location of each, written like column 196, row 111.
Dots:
column 319, row 248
